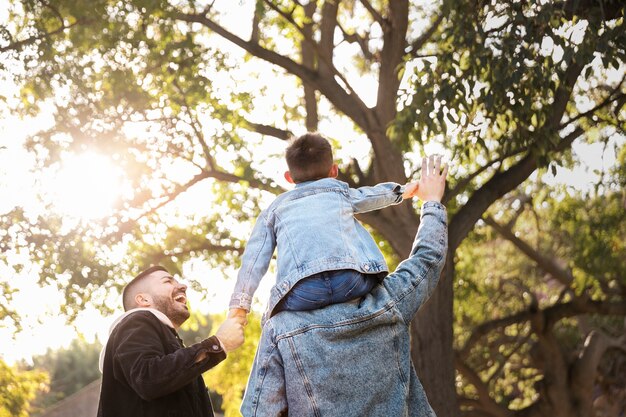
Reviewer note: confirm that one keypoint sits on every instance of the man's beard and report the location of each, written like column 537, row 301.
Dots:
column 168, row 307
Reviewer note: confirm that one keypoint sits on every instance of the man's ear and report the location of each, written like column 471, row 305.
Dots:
column 334, row 171
column 143, row 300
column 288, row 178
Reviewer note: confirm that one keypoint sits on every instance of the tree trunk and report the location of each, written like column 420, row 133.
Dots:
column 308, row 60
column 397, row 224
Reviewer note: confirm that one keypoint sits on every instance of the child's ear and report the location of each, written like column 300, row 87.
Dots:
column 288, row 178
column 334, row 171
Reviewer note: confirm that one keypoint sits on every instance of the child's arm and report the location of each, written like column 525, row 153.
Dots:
column 410, row 189
column 379, row 196
column 254, row 263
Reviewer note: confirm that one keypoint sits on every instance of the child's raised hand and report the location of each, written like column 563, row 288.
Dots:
column 410, row 189
column 433, row 180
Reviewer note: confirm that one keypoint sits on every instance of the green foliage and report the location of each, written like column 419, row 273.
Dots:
column 172, row 104
column 197, row 328
column 227, row 381
column 18, row 388
column 69, row 370
column 499, row 69
column 229, row 377
column 597, row 232
column 582, row 232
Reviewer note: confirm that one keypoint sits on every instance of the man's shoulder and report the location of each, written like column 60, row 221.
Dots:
column 335, row 317
column 140, row 318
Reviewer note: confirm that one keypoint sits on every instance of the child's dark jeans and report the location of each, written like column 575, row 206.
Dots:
column 325, row 288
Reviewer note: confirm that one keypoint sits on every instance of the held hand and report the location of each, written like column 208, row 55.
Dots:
column 230, row 333
column 433, row 181
column 410, row 190
column 238, row 312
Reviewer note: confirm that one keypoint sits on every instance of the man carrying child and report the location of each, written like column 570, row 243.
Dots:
column 335, row 339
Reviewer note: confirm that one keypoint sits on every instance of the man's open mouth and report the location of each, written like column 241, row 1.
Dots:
column 181, row 299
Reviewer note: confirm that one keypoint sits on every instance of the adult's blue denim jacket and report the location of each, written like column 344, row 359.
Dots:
column 352, row 359
column 314, row 230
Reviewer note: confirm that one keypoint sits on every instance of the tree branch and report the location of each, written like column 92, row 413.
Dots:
column 349, row 104
column 359, row 40
column 418, row 43
column 307, row 47
column 391, row 59
column 549, row 316
column 548, row 264
column 268, row 130
column 327, row 40
column 375, row 14
column 19, row 44
column 500, row 184
column 460, row 186
column 608, row 10
column 195, row 127
column 204, row 247
column 126, row 226
column 324, row 51
column 485, row 402
column 563, row 93
column 586, row 365
column 608, row 100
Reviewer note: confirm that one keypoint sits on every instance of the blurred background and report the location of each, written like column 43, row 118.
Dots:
column 148, row 132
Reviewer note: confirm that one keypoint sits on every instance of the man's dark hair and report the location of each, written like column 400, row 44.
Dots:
column 127, row 292
column 309, row 157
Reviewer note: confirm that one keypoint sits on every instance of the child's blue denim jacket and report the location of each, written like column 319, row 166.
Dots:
column 314, row 230
column 352, row 359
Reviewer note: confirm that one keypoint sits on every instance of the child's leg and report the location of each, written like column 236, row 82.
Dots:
column 309, row 294
column 350, row 284
column 330, row 287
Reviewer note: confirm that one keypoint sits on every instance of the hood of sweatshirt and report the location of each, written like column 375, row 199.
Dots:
column 162, row 317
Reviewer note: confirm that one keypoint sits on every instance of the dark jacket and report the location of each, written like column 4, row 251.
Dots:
column 147, row 371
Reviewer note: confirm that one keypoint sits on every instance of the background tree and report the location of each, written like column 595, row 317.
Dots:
column 18, row 388
column 541, row 304
column 227, row 381
column 229, row 378
column 502, row 87
column 68, row 369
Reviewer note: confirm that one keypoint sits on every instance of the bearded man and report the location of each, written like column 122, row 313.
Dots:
column 146, row 369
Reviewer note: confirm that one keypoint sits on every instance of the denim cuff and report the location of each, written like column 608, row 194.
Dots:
column 399, row 190
column 240, row 300
column 432, row 207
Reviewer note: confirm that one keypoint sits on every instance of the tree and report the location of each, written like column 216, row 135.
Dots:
column 503, row 87
column 227, row 381
column 69, row 369
column 229, row 378
column 17, row 390
column 541, row 304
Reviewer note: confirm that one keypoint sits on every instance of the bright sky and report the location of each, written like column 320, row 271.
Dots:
column 88, row 184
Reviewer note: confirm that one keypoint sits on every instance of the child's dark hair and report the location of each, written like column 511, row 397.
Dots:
column 309, row 157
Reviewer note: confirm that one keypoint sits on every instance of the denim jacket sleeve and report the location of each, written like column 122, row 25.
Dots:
column 266, row 394
column 376, row 197
column 415, row 278
column 254, row 263
column 143, row 362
